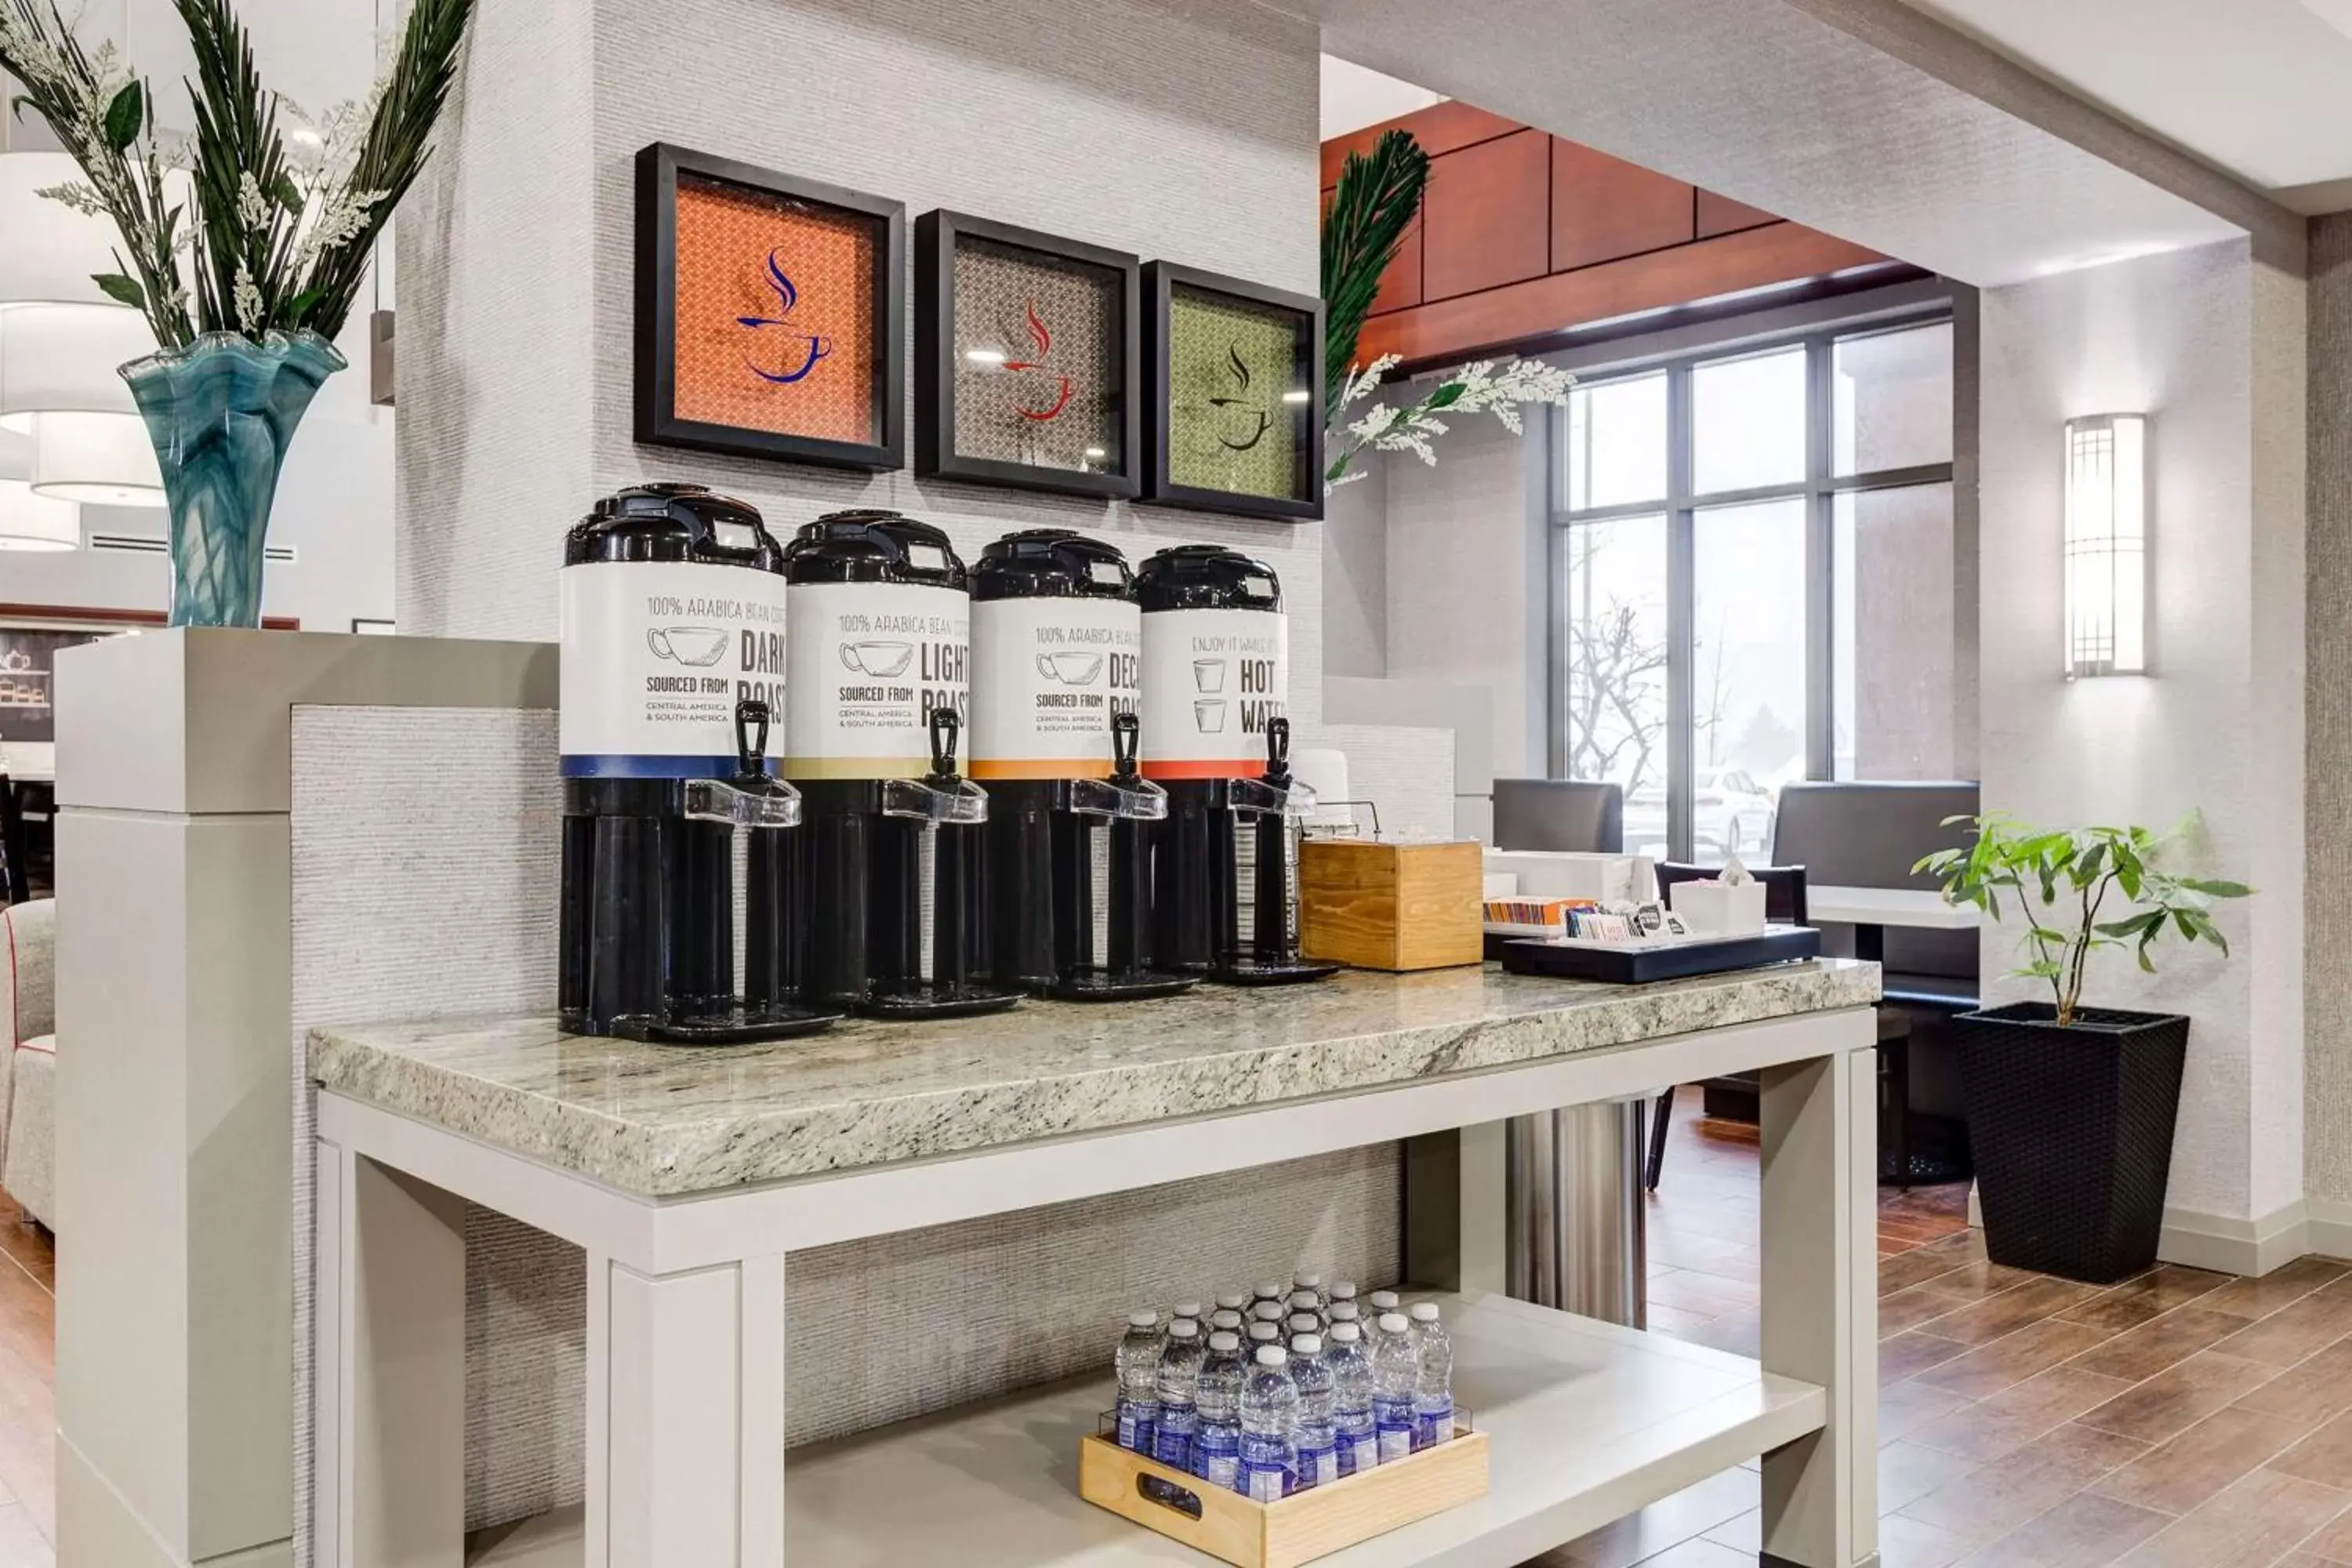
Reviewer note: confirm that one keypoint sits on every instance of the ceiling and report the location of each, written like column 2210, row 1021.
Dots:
column 1354, row 97
column 1772, row 104
column 2262, row 88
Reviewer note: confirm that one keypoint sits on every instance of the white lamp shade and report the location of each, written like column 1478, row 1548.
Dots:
column 29, row 521
column 52, row 250
column 103, row 459
column 2106, row 544
column 64, row 359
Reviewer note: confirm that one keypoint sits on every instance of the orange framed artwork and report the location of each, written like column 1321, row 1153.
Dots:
column 771, row 313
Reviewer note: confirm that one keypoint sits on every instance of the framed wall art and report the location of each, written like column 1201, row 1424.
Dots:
column 1026, row 366
column 771, row 313
column 1233, row 395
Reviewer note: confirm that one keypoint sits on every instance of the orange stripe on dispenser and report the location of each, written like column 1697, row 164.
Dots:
column 1240, row 768
column 1043, row 768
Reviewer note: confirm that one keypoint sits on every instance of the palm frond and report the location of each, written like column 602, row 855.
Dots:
column 1374, row 204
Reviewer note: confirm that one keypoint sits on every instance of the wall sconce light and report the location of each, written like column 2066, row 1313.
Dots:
column 2106, row 545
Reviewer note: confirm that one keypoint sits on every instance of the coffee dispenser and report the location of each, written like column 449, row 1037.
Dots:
column 893, row 891
column 1224, row 863
column 1057, row 643
column 673, row 633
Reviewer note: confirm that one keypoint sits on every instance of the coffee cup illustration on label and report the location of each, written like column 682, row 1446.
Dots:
column 1208, row 675
column 696, row 646
column 1071, row 668
column 882, row 660
column 1209, row 714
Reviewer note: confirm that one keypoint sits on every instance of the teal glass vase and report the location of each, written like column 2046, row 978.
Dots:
column 221, row 413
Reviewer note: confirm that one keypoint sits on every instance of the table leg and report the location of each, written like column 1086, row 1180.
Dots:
column 686, row 1416
column 1820, row 1305
column 1869, row 941
column 390, row 1434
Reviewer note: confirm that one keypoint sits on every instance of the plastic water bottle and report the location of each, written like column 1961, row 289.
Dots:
column 1307, row 1304
column 1225, row 1320
column 1432, row 1394
column 1189, row 1310
column 1268, row 1313
column 1317, row 1441
column 1351, row 1398
column 1299, row 1324
column 1396, row 1376
column 1383, row 1302
column 1342, row 1290
column 1139, row 1382
column 1346, row 1313
column 1313, row 1284
column 1178, row 1377
column 1237, row 1302
column 1217, row 1420
column 1270, row 1423
column 1260, row 1333
column 1270, row 1290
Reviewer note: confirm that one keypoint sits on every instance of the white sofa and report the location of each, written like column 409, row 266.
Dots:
column 28, row 1024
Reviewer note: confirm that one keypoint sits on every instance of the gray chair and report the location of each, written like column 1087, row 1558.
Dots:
column 1559, row 815
column 1870, row 836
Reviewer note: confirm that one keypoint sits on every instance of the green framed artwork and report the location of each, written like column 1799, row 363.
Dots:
column 1235, row 396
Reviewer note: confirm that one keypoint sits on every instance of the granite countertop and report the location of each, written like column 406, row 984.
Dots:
column 664, row 1120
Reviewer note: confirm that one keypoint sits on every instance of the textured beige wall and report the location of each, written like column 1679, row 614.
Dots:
column 2327, row 981
column 1183, row 133
column 2208, row 342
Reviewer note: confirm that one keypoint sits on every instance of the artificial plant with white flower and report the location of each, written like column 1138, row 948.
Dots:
column 1378, row 194
column 235, row 228
column 1485, row 387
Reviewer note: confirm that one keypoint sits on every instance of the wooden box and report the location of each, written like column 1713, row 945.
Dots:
column 1391, row 906
column 1299, row 1527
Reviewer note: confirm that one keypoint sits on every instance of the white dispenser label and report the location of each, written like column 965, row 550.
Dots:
column 656, row 656
column 874, row 660
column 1211, row 679
column 1047, row 676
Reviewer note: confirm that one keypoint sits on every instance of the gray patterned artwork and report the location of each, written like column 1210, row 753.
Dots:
column 1036, row 359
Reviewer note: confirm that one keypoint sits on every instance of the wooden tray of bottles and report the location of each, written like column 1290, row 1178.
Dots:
column 1301, row 1527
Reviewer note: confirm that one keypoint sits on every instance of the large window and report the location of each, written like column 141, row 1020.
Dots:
column 1752, row 560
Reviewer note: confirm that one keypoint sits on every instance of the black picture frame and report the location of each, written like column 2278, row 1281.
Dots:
column 936, row 233
column 658, row 423
column 1161, row 279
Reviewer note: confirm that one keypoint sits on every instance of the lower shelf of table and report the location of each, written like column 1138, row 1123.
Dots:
column 1588, row 1423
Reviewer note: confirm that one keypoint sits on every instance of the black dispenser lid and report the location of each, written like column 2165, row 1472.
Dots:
column 1207, row 577
column 673, row 522
column 873, row 546
column 1051, row 564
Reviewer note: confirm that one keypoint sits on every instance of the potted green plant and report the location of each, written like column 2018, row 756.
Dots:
column 242, row 245
column 2070, row 1108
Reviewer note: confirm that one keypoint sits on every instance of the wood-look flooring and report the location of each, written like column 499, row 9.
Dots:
column 2181, row 1419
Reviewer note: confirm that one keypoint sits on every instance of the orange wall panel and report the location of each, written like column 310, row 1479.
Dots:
column 1604, row 208
column 1523, row 235
column 1530, row 313
column 1487, row 218
column 1441, row 128
column 1721, row 214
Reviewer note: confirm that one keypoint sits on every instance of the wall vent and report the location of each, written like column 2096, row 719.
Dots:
column 156, row 544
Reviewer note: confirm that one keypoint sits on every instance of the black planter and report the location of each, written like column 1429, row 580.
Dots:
column 2072, row 1133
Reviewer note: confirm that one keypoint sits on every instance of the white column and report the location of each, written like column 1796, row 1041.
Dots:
column 686, row 1416
column 1821, row 1306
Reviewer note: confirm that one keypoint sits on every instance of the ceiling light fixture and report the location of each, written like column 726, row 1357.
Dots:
column 98, row 459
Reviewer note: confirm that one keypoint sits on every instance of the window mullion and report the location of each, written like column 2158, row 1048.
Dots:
column 1821, row 675
column 1681, row 613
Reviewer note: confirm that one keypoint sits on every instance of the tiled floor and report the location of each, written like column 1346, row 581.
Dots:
column 2178, row 1420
